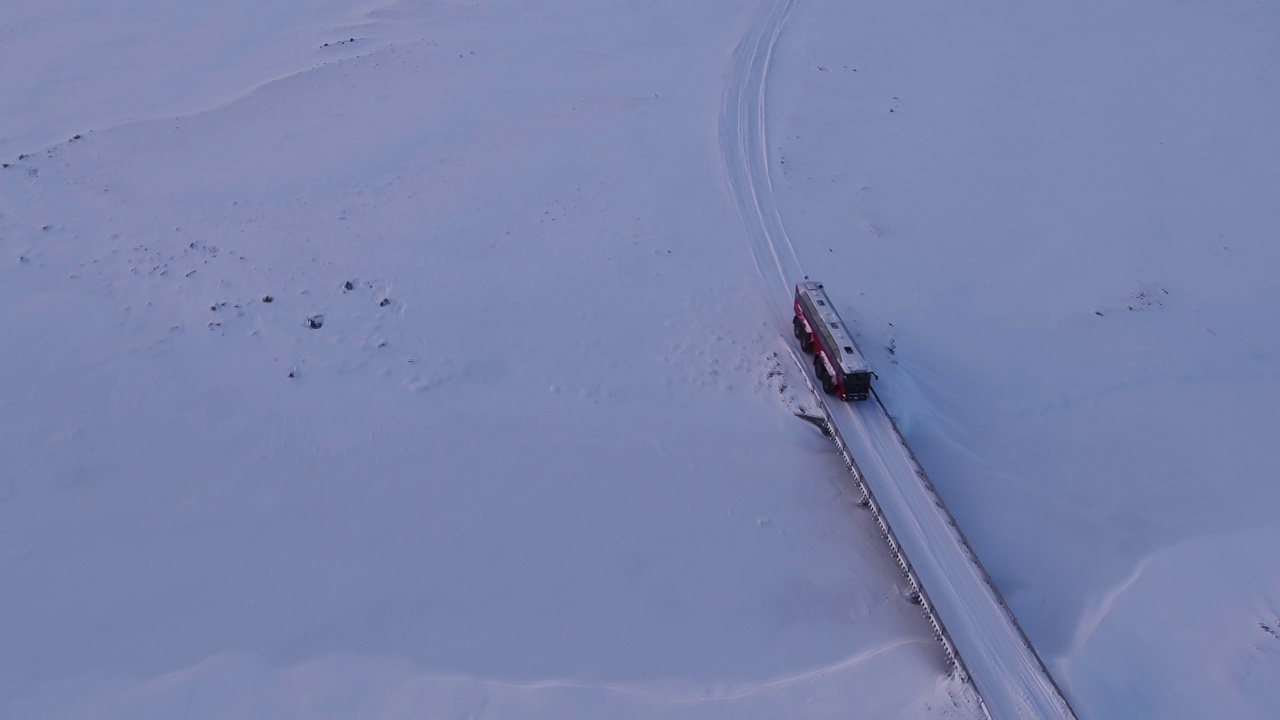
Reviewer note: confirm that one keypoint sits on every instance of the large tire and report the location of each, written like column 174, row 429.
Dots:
column 806, row 340
column 824, row 377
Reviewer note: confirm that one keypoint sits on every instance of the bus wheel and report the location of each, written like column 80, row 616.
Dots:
column 821, row 370
column 806, row 342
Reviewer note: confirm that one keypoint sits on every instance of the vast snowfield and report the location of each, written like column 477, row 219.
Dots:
column 537, row 456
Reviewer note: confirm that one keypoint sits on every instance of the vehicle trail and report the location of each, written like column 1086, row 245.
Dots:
column 1010, row 679
column 745, row 150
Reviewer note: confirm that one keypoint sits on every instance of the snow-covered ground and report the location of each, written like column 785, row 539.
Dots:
column 1062, row 220
column 537, row 460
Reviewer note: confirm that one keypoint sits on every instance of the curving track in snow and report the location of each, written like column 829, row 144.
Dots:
column 969, row 616
column 745, row 150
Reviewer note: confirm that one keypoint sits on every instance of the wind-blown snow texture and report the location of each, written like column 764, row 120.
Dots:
column 537, row 460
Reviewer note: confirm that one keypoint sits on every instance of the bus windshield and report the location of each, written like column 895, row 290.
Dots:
column 857, row 382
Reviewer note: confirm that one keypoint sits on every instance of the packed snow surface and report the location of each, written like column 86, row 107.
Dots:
column 980, row 635
column 512, row 436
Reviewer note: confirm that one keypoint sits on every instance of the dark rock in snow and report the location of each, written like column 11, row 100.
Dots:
column 315, row 322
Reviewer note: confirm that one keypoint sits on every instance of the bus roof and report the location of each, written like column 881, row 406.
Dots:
column 850, row 358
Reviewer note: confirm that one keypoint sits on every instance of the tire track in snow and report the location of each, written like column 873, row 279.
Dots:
column 1014, row 678
column 745, row 150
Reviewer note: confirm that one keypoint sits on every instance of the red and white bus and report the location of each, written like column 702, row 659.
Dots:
column 838, row 363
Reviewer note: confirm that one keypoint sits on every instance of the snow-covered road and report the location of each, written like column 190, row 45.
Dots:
column 959, row 596
column 1001, row 662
